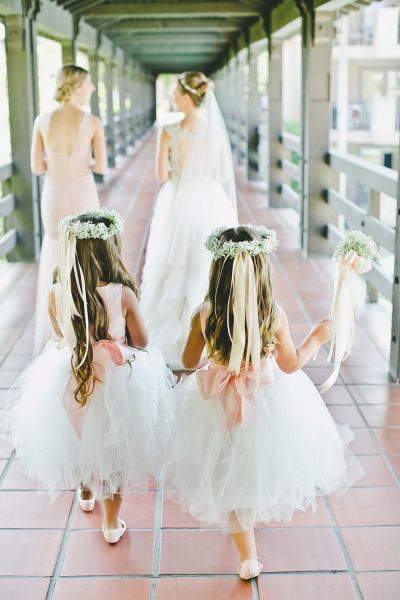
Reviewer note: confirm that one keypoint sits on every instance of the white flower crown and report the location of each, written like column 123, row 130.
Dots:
column 84, row 230
column 267, row 244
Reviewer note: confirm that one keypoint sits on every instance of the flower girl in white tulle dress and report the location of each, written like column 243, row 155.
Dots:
column 251, row 439
column 86, row 407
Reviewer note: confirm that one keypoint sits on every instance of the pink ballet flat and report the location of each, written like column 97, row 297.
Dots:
column 112, row 536
column 250, row 568
column 86, row 505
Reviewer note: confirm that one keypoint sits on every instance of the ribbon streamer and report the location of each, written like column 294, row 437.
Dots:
column 245, row 316
column 341, row 313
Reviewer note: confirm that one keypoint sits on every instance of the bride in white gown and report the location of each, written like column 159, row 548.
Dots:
column 194, row 161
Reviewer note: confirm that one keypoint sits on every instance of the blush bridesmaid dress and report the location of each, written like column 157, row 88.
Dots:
column 69, row 187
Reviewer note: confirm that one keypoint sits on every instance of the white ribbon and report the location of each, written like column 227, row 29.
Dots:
column 67, row 262
column 341, row 313
column 245, row 315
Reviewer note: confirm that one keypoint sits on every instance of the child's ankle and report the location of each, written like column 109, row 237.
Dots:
column 248, row 556
column 114, row 524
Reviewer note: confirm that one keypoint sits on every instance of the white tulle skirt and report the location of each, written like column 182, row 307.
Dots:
column 291, row 452
column 116, row 448
column 175, row 275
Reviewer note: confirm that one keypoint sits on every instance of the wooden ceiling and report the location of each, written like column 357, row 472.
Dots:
column 173, row 36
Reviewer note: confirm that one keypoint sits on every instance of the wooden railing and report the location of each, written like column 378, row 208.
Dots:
column 8, row 240
column 291, row 171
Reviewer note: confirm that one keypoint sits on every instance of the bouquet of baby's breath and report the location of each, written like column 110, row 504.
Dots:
column 353, row 254
column 360, row 243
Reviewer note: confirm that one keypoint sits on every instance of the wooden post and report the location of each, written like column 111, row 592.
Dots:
column 394, row 362
column 274, row 122
column 110, row 113
column 69, row 45
column 23, row 106
column 315, row 122
column 94, row 74
column 122, row 107
column 253, row 118
column 374, row 210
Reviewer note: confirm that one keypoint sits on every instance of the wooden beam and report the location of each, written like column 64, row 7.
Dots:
column 172, row 26
column 175, row 10
column 171, row 50
column 171, row 39
column 160, row 44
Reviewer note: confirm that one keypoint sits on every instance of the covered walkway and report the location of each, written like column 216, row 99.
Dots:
column 348, row 550
column 307, row 181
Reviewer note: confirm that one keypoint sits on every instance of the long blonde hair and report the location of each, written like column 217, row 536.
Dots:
column 218, row 340
column 69, row 79
column 100, row 261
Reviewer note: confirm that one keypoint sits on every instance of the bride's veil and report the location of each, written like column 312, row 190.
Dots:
column 207, row 167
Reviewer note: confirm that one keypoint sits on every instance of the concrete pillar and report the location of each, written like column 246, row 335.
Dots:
column 69, row 45
column 94, row 75
column 315, row 120
column 242, row 93
column 274, row 122
column 68, row 51
column 253, row 118
column 110, row 133
column 122, row 108
column 23, row 106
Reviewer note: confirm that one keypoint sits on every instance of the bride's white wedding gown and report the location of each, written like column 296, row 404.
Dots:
column 189, row 206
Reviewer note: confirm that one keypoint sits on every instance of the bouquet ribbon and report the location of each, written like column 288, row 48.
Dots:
column 341, row 313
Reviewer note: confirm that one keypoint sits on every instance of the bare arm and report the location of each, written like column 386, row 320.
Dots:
column 194, row 344
column 99, row 149
column 134, row 322
column 52, row 313
column 290, row 358
column 38, row 164
column 162, row 164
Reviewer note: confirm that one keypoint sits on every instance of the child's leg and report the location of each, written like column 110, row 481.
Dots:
column 244, row 540
column 111, row 511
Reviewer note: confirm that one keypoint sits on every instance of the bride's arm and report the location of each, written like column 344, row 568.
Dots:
column 162, row 164
column 38, row 163
column 99, row 148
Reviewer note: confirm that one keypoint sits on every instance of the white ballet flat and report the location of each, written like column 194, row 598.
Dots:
column 86, row 505
column 250, row 568
column 112, row 536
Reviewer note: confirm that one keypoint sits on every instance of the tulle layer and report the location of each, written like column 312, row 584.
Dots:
column 116, row 449
column 290, row 453
column 175, row 276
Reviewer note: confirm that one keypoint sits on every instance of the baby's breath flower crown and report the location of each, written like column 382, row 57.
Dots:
column 268, row 243
column 360, row 243
column 90, row 229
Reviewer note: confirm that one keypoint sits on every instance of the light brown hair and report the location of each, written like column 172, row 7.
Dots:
column 195, row 84
column 69, row 78
column 100, row 261
column 218, row 341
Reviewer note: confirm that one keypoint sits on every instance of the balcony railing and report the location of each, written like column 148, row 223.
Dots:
column 8, row 241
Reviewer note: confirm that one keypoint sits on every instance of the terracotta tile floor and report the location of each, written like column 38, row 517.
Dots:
column 347, row 550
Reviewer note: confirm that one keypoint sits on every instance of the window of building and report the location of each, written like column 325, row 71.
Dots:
column 49, row 61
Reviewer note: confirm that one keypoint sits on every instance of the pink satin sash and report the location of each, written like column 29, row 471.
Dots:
column 105, row 352
column 234, row 389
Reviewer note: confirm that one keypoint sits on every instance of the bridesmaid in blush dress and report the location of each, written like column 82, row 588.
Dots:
column 63, row 144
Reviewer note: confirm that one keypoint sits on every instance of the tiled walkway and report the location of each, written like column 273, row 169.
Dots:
column 348, row 550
